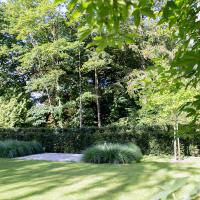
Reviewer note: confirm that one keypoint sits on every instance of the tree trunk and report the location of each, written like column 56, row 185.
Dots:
column 186, row 147
column 178, row 142
column 51, row 106
column 179, row 149
column 175, row 145
column 97, row 98
column 60, row 122
column 80, row 93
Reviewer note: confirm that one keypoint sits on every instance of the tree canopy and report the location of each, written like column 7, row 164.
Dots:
column 92, row 63
column 106, row 19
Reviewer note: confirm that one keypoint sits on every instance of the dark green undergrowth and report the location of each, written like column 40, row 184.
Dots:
column 112, row 153
column 14, row 148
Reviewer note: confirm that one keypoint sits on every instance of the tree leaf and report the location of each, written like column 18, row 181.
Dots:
column 71, row 4
column 56, row 2
column 148, row 12
column 136, row 15
column 84, row 34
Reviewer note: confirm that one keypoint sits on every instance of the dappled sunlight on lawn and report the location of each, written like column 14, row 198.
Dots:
column 37, row 180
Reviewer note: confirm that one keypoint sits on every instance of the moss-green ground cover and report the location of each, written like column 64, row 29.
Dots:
column 39, row 180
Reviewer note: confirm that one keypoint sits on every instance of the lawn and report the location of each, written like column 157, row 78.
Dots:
column 41, row 180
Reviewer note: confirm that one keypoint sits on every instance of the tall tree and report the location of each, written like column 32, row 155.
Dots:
column 66, row 82
column 95, row 63
column 159, row 104
column 182, row 17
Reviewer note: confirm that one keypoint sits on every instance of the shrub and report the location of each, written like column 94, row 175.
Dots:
column 36, row 147
column 152, row 140
column 112, row 153
column 137, row 150
column 75, row 140
column 14, row 148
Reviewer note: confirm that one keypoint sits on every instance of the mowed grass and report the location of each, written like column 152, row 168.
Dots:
column 38, row 180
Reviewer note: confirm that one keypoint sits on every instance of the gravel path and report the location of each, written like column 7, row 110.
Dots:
column 60, row 157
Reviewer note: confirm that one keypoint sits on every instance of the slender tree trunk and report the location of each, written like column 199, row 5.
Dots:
column 175, row 144
column 80, row 93
column 49, row 100
column 60, row 122
column 178, row 141
column 97, row 98
column 179, row 149
column 51, row 107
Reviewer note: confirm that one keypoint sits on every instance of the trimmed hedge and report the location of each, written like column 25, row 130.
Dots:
column 14, row 148
column 112, row 153
column 151, row 140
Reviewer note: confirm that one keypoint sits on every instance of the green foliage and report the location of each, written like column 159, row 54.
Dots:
column 54, row 71
column 14, row 148
column 112, row 153
column 137, row 150
column 151, row 140
column 28, row 18
column 96, row 61
column 160, row 104
column 182, row 17
column 106, row 17
column 43, row 60
column 13, row 111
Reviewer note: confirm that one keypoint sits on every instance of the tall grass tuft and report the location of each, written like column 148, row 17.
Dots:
column 14, row 148
column 113, row 153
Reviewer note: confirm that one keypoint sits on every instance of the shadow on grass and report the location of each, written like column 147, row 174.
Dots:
column 83, row 181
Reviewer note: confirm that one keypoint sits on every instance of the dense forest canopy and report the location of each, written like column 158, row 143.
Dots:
column 98, row 63
column 182, row 17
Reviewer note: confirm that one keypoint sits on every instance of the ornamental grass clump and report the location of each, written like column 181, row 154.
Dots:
column 112, row 153
column 14, row 148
